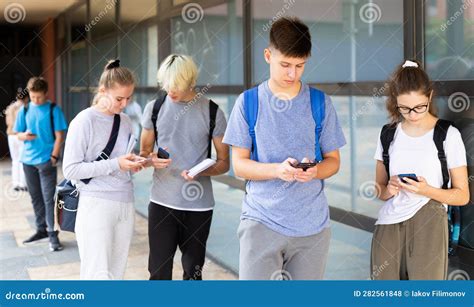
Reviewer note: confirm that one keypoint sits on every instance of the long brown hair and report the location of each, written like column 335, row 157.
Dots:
column 405, row 80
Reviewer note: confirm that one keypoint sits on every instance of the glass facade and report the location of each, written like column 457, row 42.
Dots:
column 346, row 46
column 356, row 46
column 450, row 39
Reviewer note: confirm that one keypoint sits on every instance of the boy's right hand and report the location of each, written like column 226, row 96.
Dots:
column 286, row 172
column 127, row 162
column 393, row 186
column 159, row 163
column 26, row 136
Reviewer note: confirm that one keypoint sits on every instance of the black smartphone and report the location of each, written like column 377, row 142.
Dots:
column 163, row 154
column 304, row 165
column 411, row 176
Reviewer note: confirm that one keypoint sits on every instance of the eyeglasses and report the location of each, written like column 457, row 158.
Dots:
column 417, row 109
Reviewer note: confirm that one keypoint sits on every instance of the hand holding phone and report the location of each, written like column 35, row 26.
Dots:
column 163, row 154
column 410, row 176
column 304, row 165
column 161, row 159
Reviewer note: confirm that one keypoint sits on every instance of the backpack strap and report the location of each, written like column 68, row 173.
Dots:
column 439, row 136
column 156, row 109
column 251, row 114
column 454, row 212
column 51, row 118
column 318, row 108
column 25, row 110
column 213, row 107
column 386, row 137
column 105, row 154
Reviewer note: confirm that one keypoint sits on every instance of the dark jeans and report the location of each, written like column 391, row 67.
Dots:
column 170, row 228
column 41, row 182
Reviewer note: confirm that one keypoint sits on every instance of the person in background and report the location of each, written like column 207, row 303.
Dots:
column 41, row 126
column 14, row 144
column 134, row 111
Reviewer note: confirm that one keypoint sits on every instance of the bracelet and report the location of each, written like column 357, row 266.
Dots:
column 55, row 158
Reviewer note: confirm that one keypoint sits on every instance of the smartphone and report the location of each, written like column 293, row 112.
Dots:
column 411, row 176
column 305, row 165
column 163, row 154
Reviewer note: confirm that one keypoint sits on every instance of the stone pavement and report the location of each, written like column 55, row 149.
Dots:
column 37, row 262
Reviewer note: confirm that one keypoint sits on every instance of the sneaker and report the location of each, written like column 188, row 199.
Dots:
column 39, row 236
column 54, row 244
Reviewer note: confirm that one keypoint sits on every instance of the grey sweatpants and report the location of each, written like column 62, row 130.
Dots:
column 266, row 254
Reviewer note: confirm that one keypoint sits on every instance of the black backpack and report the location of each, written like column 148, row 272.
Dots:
column 213, row 107
column 51, row 116
column 439, row 136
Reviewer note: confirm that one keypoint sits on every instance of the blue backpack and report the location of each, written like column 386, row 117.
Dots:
column 251, row 114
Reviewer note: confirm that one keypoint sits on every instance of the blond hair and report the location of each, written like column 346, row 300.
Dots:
column 114, row 74
column 178, row 72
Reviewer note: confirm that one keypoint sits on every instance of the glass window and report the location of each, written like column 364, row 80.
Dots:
column 103, row 30
column 78, row 48
column 449, row 39
column 139, row 39
column 353, row 187
column 213, row 36
column 352, row 40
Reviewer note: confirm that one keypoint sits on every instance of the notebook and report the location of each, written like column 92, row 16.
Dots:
column 204, row 165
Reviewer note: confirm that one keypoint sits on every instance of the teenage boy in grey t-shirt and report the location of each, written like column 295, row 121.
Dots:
column 284, row 230
column 181, row 206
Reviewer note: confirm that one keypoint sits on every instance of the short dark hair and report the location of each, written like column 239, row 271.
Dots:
column 291, row 37
column 37, row 84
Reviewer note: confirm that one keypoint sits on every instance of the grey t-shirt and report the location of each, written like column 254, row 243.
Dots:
column 184, row 129
column 88, row 135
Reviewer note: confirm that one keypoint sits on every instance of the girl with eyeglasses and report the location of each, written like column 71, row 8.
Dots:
column 410, row 240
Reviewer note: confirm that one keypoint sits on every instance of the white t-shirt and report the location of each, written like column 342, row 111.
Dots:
column 417, row 155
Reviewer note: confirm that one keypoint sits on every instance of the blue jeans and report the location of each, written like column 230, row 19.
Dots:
column 41, row 180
